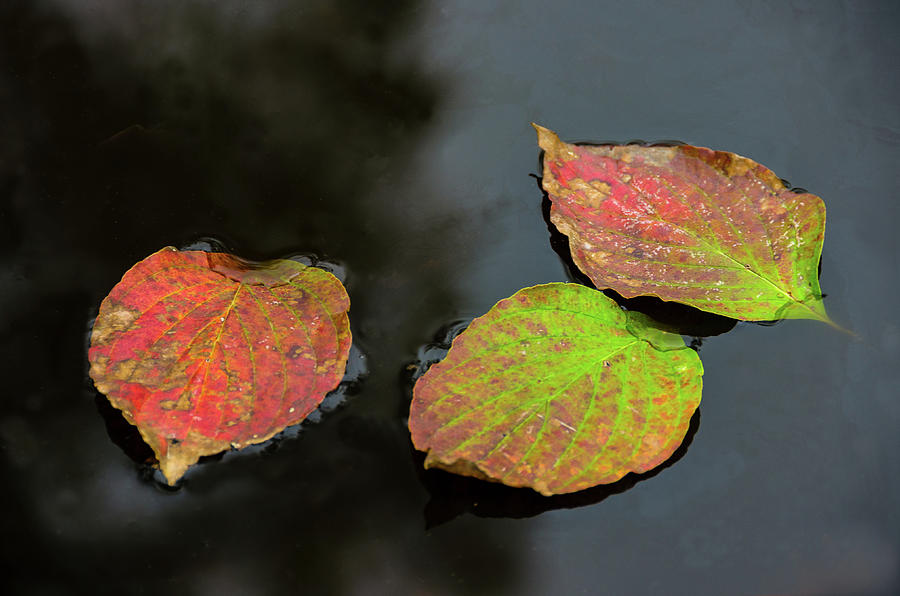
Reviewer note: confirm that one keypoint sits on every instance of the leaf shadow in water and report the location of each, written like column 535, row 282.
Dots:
column 128, row 438
column 453, row 495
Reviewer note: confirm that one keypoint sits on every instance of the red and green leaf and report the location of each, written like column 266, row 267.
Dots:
column 558, row 389
column 205, row 352
column 706, row 228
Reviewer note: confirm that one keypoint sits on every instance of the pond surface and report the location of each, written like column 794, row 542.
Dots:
column 393, row 140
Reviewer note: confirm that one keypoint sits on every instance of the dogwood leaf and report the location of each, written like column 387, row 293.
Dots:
column 205, row 352
column 558, row 389
column 706, row 228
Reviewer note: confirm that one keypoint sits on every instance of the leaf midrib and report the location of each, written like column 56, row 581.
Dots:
column 745, row 267
column 582, row 370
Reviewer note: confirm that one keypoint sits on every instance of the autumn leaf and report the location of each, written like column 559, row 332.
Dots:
column 710, row 229
column 558, row 389
column 203, row 352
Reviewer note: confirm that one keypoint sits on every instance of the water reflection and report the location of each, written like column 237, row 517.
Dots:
column 267, row 129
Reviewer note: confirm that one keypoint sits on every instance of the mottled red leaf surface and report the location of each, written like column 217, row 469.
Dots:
column 205, row 352
column 706, row 228
column 558, row 389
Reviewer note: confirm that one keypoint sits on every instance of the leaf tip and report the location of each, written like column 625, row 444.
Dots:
column 172, row 471
column 547, row 139
column 828, row 321
column 177, row 456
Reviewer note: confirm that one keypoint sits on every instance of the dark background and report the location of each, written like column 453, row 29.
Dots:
column 393, row 139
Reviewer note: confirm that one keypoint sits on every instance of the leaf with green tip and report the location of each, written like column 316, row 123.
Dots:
column 204, row 352
column 558, row 389
column 706, row 228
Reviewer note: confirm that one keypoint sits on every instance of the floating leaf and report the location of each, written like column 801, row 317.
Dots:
column 558, row 389
column 706, row 228
column 202, row 351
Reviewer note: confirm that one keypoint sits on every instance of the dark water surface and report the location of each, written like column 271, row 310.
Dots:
column 393, row 139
